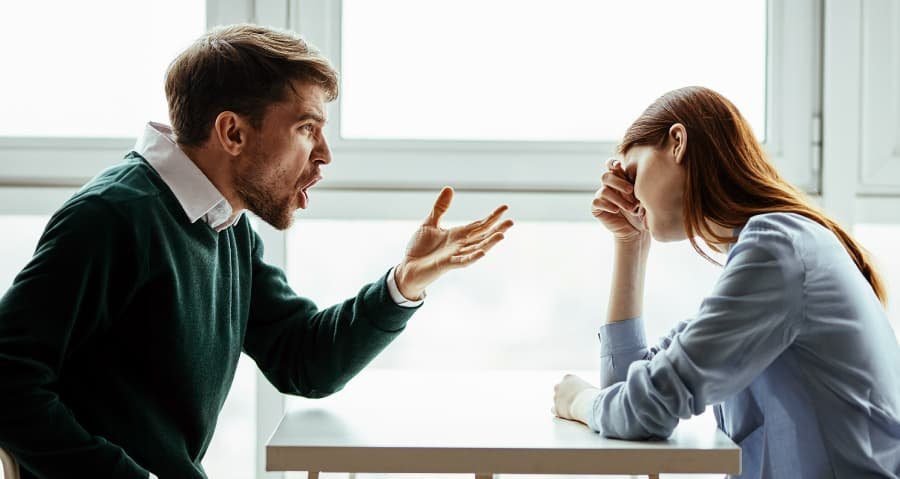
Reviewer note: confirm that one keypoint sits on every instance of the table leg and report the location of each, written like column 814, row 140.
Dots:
column 312, row 475
column 484, row 475
column 652, row 476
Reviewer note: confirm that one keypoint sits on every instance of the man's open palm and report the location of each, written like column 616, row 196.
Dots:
column 433, row 250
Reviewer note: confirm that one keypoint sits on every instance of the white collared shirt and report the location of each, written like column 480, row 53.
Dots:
column 199, row 198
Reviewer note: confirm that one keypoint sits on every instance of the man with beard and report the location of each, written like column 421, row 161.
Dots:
column 119, row 340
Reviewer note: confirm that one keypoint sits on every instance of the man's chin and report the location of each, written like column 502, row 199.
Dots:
column 281, row 219
column 282, row 223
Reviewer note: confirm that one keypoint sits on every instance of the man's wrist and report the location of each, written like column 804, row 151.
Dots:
column 396, row 295
column 402, row 279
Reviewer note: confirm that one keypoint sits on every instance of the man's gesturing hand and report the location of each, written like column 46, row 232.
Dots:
column 433, row 250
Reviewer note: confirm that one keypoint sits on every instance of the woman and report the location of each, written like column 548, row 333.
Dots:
column 793, row 347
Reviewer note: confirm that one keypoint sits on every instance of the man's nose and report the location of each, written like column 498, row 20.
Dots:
column 323, row 152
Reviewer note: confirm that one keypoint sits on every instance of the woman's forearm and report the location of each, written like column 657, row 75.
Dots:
column 627, row 289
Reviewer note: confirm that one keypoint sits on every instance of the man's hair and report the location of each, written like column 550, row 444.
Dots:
column 240, row 68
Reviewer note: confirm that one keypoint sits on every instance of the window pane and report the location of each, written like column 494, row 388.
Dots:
column 538, row 70
column 232, row 453
column 534, row 303
column 91, row 68
column 21, row 237
column 881, row 240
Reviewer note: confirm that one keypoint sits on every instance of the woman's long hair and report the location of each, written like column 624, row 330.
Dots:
column 728, row 176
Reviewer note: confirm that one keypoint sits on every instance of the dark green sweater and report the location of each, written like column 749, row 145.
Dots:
column 119, row 340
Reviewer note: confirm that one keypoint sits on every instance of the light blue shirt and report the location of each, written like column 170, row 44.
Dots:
column 792, row 348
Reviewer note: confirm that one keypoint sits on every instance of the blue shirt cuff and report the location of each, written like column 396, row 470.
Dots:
column 622, row 336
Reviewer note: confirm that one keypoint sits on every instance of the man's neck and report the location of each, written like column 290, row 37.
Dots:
column 215, row 165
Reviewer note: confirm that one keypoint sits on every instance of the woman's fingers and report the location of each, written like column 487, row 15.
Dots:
column 621, row 201
column 603, row 205
column 617, row 181
column 624, row 203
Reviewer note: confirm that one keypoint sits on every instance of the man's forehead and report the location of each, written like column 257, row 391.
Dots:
column 307, row 99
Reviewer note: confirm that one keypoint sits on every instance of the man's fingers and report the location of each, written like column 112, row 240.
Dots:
column 441, row 205
column 480, row 225
column 502, row 227
column 461, row 260
column 483, row 245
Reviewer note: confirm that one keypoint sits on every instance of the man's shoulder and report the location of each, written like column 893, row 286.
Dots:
column 117, row 197
column 130, row 188
column 130, row 180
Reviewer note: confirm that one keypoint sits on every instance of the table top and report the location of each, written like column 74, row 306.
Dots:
column 473, row 422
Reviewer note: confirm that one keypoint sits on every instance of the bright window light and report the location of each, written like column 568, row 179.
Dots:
column 91, row 68
column 535, row 302
column 536, row 70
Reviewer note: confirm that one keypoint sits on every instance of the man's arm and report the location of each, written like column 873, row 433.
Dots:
column 309, row 352
column 57, row 306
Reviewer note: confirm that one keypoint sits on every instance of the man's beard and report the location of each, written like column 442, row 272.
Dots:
column 258, row 194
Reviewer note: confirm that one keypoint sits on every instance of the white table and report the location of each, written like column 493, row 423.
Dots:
column 483, row 423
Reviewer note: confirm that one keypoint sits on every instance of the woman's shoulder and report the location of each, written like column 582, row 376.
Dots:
column 781, row 236
column 791, row 224
column 799, row 230
column 791, row 236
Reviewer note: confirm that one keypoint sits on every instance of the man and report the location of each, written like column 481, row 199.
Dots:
column 119, row 340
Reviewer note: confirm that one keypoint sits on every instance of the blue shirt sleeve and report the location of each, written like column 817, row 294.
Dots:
column 624, row 342
column 750, row 318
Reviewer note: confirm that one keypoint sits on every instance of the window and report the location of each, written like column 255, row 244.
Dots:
column 91, row 68
column 573, row 70
column 231, row 454
column 21, row 234
column 535, row 302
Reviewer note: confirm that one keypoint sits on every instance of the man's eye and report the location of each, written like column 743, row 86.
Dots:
column 307, row 127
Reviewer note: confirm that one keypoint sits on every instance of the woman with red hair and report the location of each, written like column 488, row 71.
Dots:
column 792, row 348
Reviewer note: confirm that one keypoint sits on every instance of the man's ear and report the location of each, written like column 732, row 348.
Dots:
column 678, row 141
column 230, row 129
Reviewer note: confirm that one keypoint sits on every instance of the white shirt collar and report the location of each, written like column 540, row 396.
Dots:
column 197, row 195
